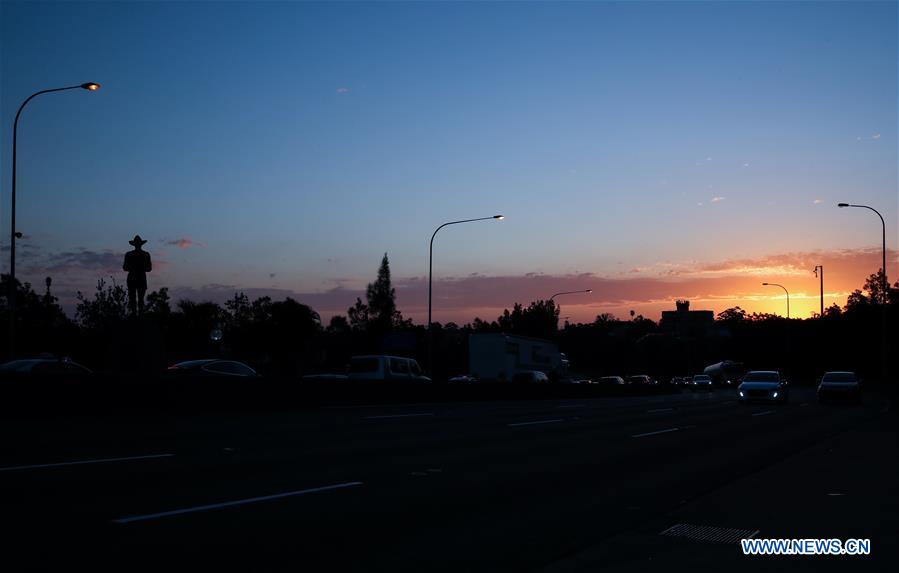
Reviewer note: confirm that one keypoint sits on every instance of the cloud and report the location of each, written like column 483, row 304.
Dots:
column 649, row 290
column 873, row 137
column 718, row 199
column 817, row 201
column 182, row 243
column 81, row 260
column 343, row 90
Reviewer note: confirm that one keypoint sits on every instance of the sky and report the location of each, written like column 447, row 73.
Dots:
column 648, row 151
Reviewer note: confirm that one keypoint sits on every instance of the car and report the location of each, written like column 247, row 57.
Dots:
column 839, row 385
column 639, row 380
column 702, row 383
column 212, row 368
column 529, row 376
column 462, row 379
column 611, row 381
column 47, row 367
column 763, row 386
column 381, row 367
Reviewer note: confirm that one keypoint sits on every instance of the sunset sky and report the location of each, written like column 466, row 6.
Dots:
column 649, row 151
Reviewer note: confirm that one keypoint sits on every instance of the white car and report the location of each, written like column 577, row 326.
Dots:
column 840, row 386
column 378, row 367
column 763, row 386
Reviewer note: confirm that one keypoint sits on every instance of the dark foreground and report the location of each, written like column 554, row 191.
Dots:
column 557, row 485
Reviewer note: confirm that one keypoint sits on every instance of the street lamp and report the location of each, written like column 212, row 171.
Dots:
column 886, row 284
column 13, row 234
column 821, row 278
column 431, row 275
column 785, row 290
column 589, row 290
column 885, row 290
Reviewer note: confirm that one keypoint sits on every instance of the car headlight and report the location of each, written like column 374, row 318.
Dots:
column 741, row 393
column 775, row 394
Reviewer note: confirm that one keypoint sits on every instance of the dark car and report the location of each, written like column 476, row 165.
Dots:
column 45, row 367
column 212, row 368
column 702, row 383
column 840, row 386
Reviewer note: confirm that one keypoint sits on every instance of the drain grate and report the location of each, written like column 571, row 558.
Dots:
column 709, row 533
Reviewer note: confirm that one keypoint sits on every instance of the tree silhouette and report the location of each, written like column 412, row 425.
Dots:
column 381, row 296
column 734, row 314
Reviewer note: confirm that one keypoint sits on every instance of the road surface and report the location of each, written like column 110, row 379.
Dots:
column 554, row 485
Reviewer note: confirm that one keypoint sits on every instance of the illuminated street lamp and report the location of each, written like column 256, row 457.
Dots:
column 431, row 274
column 786, row 291
column 13, row 234
column 589, row 290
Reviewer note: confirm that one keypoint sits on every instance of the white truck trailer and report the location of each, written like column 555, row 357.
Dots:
column 497, row 356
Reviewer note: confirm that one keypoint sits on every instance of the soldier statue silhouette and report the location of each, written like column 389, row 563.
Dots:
column 137, row 265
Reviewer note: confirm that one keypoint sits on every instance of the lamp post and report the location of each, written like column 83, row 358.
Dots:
column 431, row 276
column 885, row 290
column 786, row 291
column 13, row 234
column 587, row 291
column 820, row 268
column 886, row 284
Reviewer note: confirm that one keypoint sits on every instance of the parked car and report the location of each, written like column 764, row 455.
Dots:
column 528, row 376
column 50, row 368
column 763, row 386
column 639, row 380
column 463, row 379
column 840, row 386
column 212, row 368
column 611, row 381
column 702, row 383
column 378, row 367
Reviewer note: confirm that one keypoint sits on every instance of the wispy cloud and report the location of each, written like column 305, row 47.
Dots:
column 817, row 201
column 718, row 199
column 182, row 243
column 343, row 90
column 873, row 137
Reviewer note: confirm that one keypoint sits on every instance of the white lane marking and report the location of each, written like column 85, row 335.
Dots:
column 384, row 417
column 804, row 404
column 84, row 462
column 654, row 433
column 535, row 422
column 765, row 413
column 233, row 503
column 836, row 494
column 659, row 410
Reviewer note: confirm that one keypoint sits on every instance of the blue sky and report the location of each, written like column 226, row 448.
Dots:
column 295, row 143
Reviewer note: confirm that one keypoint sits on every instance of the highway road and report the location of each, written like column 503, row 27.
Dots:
column 555, row 485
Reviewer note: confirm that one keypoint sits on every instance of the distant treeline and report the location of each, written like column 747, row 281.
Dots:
column 287, row 339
